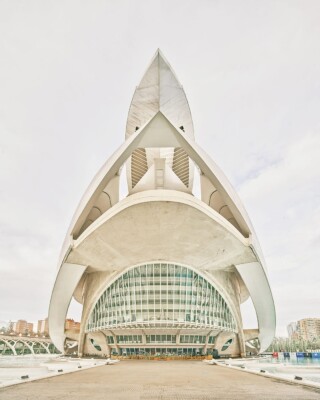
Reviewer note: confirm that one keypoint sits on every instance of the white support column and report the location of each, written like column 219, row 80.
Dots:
column 66, row 282
column 262, row 299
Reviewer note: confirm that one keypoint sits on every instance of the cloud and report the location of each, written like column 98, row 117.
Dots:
column 283, row 202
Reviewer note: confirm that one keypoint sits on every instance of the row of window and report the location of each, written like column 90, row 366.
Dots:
column 161, row 338
column 141, row 284
column 165, row 290
column 159, row 351
column 161, row 317
column 169, row 270
column 129, row 339
column 204, row 305
column 196, row 339
column 149, row 312
column 192, row 339
column 124, row 302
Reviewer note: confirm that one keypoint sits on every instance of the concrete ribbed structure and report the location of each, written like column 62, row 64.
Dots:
column 161, row 271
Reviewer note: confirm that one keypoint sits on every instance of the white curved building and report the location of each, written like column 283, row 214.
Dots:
column 161, row 271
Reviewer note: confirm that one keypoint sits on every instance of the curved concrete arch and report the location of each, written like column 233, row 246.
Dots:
column 99, row 182
column 216, row 176
column 45, row 347
column 65, row 284
column 262, row 299
column 16, row 345
column 211, row 194
column 10, row 346
column 174, row 138
column 34, row 344
column 28, row 345
column 164, row 196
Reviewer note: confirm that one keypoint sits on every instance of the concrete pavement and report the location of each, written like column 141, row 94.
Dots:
column 151, row 380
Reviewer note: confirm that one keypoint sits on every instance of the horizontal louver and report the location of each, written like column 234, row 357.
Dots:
column 180, row 165
column 139, row 165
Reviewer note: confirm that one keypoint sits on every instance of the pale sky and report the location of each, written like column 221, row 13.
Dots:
column 251, row 72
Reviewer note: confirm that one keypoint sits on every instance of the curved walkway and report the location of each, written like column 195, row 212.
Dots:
column 151, row 380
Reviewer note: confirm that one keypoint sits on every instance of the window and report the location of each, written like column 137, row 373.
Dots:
column 161, row 294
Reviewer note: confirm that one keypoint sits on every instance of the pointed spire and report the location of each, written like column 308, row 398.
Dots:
column 159, row 90
column 159, row 72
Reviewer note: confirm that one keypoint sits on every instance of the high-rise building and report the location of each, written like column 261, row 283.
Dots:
column 43, row 326
column 309, row 328
column 23, row 327
column 71, row 324
column 161, row 270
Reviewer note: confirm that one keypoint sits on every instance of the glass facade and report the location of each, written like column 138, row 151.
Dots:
column 161, row 339
column 196, row 339
column 110, row 339
column 180, row 351
column 161, row 295
column 122, row 339
column 211, row 339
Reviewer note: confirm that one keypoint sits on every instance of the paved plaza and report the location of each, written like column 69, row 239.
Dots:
column 150, row 380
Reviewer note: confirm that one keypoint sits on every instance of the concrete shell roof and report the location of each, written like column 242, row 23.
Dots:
column 171, row 226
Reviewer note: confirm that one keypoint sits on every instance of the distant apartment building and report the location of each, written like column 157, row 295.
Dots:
column 73, row 325
column 23, row 327
column 43, row 326
column 307, row 329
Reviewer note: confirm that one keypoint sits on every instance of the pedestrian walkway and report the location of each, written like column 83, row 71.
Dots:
column 151, row 380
